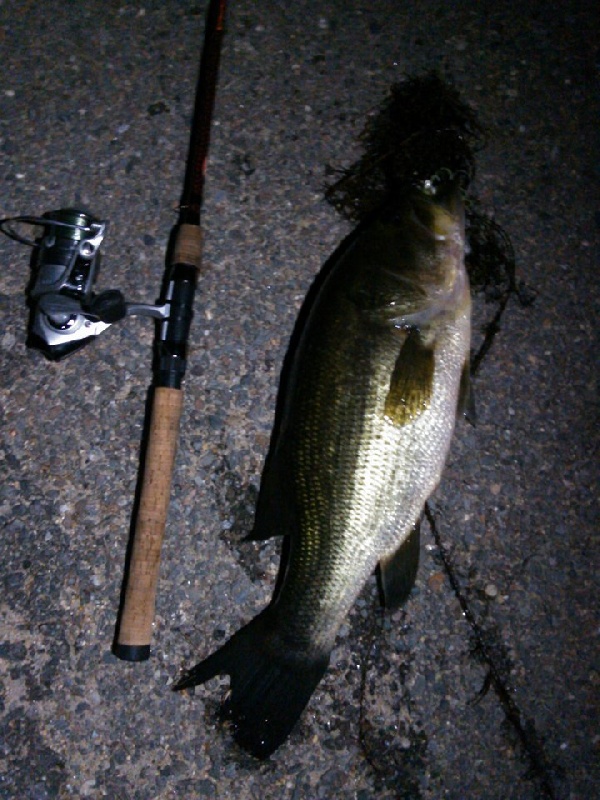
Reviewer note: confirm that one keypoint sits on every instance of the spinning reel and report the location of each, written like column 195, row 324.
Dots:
column 65, row 312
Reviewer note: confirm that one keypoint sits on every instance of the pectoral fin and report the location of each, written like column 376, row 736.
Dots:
column 411, row 382
column 397, row 573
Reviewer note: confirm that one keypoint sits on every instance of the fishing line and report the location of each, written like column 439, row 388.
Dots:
column 523, row 726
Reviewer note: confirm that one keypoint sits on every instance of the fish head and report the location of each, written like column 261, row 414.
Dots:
column 446, row 218
column 423, row 273
column 438, row 215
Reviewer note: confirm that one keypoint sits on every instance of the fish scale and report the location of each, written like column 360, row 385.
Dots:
column 379, row 491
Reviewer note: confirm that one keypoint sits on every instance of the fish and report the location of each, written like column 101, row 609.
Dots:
column 376, row 381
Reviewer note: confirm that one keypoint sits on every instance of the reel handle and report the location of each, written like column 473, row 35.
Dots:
column 137, row 614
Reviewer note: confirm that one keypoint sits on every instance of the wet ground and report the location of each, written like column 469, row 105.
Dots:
column 486, row 684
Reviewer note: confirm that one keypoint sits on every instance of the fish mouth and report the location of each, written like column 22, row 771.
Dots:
column 440, row 211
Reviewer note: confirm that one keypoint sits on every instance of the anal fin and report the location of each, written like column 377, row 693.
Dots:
column 397, row 573
column 466, row 398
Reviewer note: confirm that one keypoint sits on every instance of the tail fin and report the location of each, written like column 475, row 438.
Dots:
column 270, row 686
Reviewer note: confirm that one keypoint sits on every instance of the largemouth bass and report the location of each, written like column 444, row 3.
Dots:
column 367, row 418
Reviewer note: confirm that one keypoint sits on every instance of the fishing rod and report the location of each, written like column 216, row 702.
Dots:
column 66, row 314
column 137, row 613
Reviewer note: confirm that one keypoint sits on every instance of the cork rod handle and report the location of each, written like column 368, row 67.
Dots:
column 137, row 614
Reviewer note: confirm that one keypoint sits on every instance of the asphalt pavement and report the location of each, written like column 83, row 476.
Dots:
column 485, row 685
